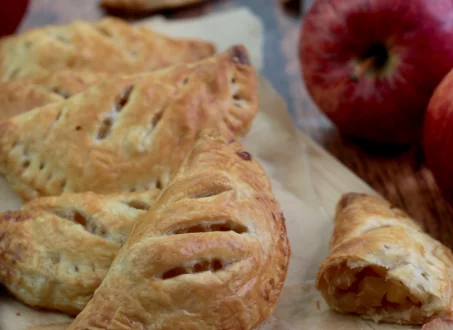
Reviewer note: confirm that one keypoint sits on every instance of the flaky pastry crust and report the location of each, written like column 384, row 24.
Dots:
column 212, row 252
column 109, row 45
column 21, row 95
column 383, row 267
column 127, row 133
column 146, row 5
column 55, row 251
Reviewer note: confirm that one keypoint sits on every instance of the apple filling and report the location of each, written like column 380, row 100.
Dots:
column 364, row 289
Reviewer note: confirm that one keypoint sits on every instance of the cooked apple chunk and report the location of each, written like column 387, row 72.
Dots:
column 383, row 267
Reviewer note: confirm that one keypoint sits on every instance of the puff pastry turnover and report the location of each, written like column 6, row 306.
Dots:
column 146, row 5
column 109, row 45
column 127, row 133
column 55, row 251
column 383, row 267
column 21, row 95
column 212, row 252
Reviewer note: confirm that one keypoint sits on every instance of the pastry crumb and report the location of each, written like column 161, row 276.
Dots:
column 17, row 313
column 318, row 305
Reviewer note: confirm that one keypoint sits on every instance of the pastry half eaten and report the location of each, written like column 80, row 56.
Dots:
column 383, row 267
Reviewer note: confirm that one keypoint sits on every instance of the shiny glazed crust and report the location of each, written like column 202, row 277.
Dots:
column 21, row 95
column 212, row 252
column 370, row 233
column 146, row 5
column 127, row 133
column 109, row 45
column 55, row 251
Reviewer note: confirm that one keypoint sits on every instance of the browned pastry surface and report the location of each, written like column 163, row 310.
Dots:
column 211, row 253
column 109, row 45
column 55, row 251
column 146, row 5
column 21, row 95
column 383, row 267
column 127, row 133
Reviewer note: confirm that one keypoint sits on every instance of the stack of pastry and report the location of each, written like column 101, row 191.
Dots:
column 144, row 211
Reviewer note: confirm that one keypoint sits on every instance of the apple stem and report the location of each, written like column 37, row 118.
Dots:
column 362, row 67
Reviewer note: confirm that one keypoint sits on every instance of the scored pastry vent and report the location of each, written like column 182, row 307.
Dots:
column 222, row 225
column 79, row 218
column 109, row 120
column 195, row 267
column 137, row 204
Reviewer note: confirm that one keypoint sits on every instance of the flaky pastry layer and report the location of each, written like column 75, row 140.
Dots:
column 212, row 252
column 127, row 133
column 21, row 95
column 109, row 45
column 383, row 267
column 55, row 251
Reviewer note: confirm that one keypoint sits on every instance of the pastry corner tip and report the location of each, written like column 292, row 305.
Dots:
column 239, row 54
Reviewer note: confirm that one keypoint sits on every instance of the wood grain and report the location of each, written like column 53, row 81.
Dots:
column 399, row 175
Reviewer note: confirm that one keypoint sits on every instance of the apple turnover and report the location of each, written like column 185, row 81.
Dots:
column 57, row 250
column 127, row 133
column 383, row 267
column 212, row 252
column 109, row 45
column 146, row 5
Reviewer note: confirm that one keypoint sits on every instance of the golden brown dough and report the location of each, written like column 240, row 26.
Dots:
column 55, row 251
column 146, row 5
column 127, row 133
column 21, row 95
column 212, row 252
column 109, row 45
column 383, row 267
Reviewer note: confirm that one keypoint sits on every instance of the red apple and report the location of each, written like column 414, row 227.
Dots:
column 438, row 135
column 11, row 15
column 371, row 65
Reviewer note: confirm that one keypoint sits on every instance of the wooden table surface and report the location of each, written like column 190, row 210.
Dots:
column 399, row 175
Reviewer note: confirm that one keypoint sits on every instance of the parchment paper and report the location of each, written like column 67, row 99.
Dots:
column 306, row 181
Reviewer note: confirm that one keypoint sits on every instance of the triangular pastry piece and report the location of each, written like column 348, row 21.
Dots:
column 145, row 5
column 109, row 45
column 57, row 250
column 212, row 252
column 127, row 133
column 21, row 95
column 383, row 267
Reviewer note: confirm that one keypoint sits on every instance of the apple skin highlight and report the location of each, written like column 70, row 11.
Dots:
column 438, row 136
column 372, row 65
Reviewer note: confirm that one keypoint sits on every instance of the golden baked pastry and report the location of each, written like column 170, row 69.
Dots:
column 109, row 45
column 146, row 5
column 57, row 250
column 127, row 133
column 383, row 267
column 212, row 252
column 439, row 324
column 21, row 95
